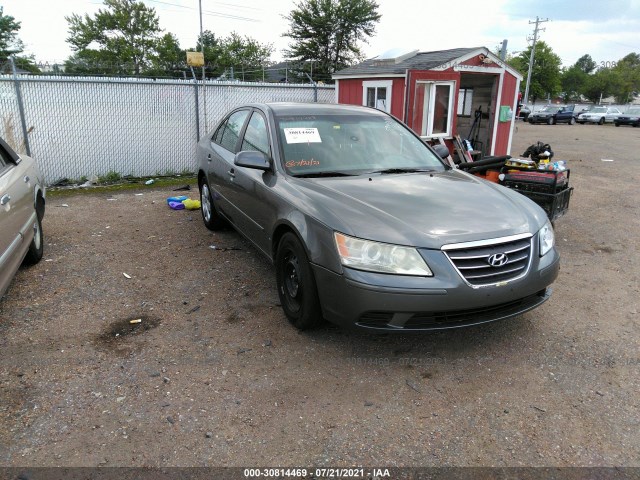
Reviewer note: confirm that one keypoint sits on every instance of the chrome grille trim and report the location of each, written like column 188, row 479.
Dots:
column 470, row 260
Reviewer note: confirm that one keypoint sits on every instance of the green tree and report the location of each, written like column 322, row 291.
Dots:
column 626, row 78
column 327, row 32
column 123, row 37
column 545, row 74
column 168, row 58
column 574, row 78
column 586, row 64
column 245, row 55
column 599, row 85
column 11, row 45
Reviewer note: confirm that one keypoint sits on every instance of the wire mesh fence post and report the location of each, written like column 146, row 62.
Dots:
column 195, row 86
column 315, row 87
column 23, row 120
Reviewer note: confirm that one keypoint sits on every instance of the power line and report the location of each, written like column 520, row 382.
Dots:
column 207, row 12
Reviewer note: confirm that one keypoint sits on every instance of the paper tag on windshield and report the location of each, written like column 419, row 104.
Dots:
column 302, row 135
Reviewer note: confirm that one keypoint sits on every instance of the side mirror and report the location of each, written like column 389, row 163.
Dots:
column 252, row 159
column 441, row 150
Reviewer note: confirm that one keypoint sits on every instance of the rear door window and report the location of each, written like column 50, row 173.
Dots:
column 228, row 134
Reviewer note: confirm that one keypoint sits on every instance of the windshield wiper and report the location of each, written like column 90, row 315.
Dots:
column 324, row 174
column 402, row 170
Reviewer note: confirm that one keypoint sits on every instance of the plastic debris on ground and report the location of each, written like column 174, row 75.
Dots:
column 183, row 202
column 149, row 182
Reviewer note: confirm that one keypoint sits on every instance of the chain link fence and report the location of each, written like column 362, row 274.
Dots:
column 79, row 127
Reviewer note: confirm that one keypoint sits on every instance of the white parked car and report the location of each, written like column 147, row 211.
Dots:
column 22, row 198
column 599, row 115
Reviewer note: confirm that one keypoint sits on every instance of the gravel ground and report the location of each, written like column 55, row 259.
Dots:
column 214, row 375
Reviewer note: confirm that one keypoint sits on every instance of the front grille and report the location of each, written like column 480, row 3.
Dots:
column 451, row 318
column 473, row 263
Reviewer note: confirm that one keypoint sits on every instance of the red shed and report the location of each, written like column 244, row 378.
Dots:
column 464, row 91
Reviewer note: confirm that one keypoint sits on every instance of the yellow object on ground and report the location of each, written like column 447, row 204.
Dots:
column 191, row 204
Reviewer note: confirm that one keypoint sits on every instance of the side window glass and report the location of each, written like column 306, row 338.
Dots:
column 232, row 129
column 4, row 161
column 256, row 137
column 217, row 137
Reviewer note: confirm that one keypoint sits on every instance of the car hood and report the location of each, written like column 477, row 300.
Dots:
column 419, row 209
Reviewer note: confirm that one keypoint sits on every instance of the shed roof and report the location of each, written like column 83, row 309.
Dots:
column 420, row 61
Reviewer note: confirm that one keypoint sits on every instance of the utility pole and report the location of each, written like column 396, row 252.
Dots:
column 533, row 52
column 204, row 86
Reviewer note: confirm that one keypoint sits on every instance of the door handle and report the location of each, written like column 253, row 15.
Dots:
column 5, row 199
column 26, row 179
column 232, row 173
column 209, row 157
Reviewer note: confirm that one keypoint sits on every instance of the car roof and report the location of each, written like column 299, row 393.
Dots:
column 289, row 108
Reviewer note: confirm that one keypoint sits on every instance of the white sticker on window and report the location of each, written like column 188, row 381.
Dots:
column 302, row 135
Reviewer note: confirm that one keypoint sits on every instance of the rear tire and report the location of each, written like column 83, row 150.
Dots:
column 296, row 284
column 550, row 121
column 572, row 121
column 36, row 249
column 617, row 124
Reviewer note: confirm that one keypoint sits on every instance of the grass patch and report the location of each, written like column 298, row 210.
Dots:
column 130, row 184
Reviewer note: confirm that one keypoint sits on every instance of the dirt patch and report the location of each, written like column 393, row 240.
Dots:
column 127, row 327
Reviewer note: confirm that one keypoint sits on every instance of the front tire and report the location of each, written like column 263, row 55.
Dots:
column 616, row 124
column 296, row 284
column 36, row 249
column 601, row 121
column 212, row 220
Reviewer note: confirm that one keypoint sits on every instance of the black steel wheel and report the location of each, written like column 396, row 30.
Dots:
column 296, row 284
column 212, row 220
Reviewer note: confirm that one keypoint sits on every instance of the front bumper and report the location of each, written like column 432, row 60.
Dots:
column 536, row 119
column 372, row 301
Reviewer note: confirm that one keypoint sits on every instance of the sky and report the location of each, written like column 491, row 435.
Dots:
column 605, row 30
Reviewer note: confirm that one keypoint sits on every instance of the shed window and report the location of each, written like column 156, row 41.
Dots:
column 465, row 98
column 377, row 94
column 432, row 109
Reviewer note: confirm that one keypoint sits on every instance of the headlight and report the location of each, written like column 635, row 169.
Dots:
column 380, row 257
column 547, row 238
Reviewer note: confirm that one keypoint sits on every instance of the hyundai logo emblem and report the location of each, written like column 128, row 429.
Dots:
column 498, row 259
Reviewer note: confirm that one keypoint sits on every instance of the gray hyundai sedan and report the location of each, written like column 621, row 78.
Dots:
column 367, row 226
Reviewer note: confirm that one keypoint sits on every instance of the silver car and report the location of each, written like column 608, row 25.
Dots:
column 22, row 204
column 599, row 115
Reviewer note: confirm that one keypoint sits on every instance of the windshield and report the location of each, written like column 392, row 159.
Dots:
column 634, row 111
column 599, row 110
column 550, row 109
column 353, row 144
